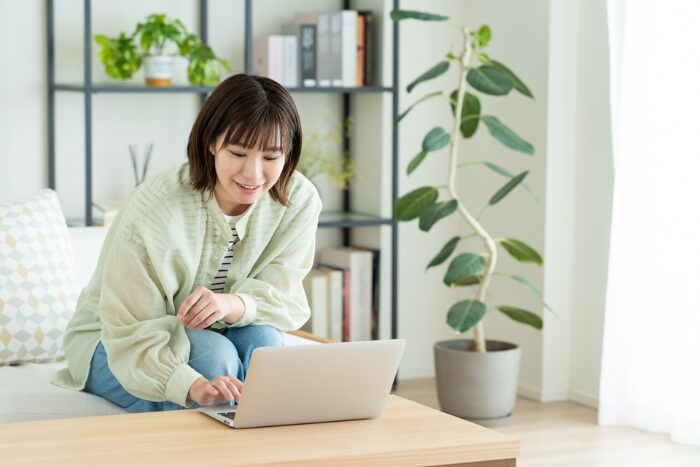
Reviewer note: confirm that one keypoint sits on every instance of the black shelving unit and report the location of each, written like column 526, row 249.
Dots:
column 345, row 220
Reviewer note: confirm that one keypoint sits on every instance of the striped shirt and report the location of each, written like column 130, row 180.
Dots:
column 218, row 285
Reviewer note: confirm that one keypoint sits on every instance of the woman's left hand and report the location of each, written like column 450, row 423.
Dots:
column 203, row 307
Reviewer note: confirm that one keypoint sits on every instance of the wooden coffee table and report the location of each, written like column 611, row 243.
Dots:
column 406, row 434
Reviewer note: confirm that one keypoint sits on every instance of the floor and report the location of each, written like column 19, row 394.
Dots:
column 559, row 434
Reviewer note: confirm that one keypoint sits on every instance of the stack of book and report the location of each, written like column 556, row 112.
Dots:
column 343, row 294
column 319, row 49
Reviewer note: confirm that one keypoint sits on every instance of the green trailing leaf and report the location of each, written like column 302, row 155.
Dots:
column 119, row 55
column 415, row 162
column 412, row 204
column 501, row 171
column 530, row 288
column 465, row 315
column 507, row 188
column 471, row 109
column 422, row 99
column 436, row 139
column 445, row 253
column 484, row 35
column 517, row 82
column 506, row 136
column 434, row 72
column 521, row 316
column 464, row 266
column 490, row 80
column 434, row 213
column 520, row 251
column 398, row 15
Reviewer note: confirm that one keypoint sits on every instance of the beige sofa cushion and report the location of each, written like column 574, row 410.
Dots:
column 38, row 287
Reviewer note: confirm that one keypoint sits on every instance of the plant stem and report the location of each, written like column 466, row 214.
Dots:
column 479, row 339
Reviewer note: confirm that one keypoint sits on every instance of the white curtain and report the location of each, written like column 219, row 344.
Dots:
column 651, row 348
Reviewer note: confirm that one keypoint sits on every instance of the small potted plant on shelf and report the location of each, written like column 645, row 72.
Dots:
column 161, row 39
column 476, row 378
column 322, row 154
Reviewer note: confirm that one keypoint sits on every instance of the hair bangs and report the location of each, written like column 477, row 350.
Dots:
column 266, row 130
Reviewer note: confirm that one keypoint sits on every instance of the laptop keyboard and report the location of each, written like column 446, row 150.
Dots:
column 231, row 415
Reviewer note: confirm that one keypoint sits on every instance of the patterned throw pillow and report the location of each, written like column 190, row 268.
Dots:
column 38, row 285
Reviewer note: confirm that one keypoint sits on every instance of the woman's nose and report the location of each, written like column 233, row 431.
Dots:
column 253, row 168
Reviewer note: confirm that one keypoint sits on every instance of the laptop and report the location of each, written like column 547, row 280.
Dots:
column 314, row 383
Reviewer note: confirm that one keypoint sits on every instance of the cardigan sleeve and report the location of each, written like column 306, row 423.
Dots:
column 147, row 349
column 275, row 295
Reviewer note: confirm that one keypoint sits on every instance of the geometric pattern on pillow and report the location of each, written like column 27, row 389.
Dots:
column 38, row 285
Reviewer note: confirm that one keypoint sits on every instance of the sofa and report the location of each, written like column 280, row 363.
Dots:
column 25, row 390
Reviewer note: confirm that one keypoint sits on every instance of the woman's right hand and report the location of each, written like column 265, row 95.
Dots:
column 220, row 390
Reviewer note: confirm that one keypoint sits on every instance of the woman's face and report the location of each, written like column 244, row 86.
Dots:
column 244, row 174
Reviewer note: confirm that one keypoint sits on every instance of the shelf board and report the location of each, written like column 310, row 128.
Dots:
column 133, row 88
column 351, row 219
column 354, row 90
column 138, row 88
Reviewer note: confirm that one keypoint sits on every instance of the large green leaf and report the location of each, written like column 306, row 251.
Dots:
column 445, row 252
column 465, row 315
column 517, row 82
column 464, row 266
column 434, row 72
column 415, row 162
column 501, row 171
column 506, row 136
column 490, row 80
column 436, row 139
column 520, row 250
column 434, row 213
column 507, row 188
column 471, row 109
column 530, row 288
column 398, row 15
column 521, row 316
column 422, row 99
column 410, row 205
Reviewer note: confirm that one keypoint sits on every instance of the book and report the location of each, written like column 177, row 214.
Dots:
column 348, row 48
column 361, row 22
column 306, row 52
column 290, row 57
column 359, row 264
column 268, row 56
column 316, row 289
column 324, row 56
column 337, row 302
column 376, row 290
column 368, row 70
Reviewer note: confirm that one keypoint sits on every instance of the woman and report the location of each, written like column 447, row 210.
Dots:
column 203, row 264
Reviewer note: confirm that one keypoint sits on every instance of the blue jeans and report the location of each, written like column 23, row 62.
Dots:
column 211, row 354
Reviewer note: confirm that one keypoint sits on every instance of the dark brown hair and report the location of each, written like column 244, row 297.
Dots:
column 253, row 111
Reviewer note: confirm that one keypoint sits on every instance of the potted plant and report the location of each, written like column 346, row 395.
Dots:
column 476, row 378
column 161, row 38
column 321, row 155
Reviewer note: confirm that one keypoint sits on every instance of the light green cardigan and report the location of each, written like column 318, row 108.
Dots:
column 167, row 240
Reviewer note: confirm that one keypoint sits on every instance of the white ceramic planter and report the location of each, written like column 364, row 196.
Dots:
column 480, row 387
column 158, row 70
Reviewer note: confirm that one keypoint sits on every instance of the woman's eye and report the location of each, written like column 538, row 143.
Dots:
column 238, row 154
column 271, row 158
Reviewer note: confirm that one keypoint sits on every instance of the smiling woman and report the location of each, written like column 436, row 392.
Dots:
column 203, row 264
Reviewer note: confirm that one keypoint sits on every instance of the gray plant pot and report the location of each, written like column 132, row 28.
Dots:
column 480, row 387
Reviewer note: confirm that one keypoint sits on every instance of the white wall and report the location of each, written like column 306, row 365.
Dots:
column 557, row 47
column 23, row 161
